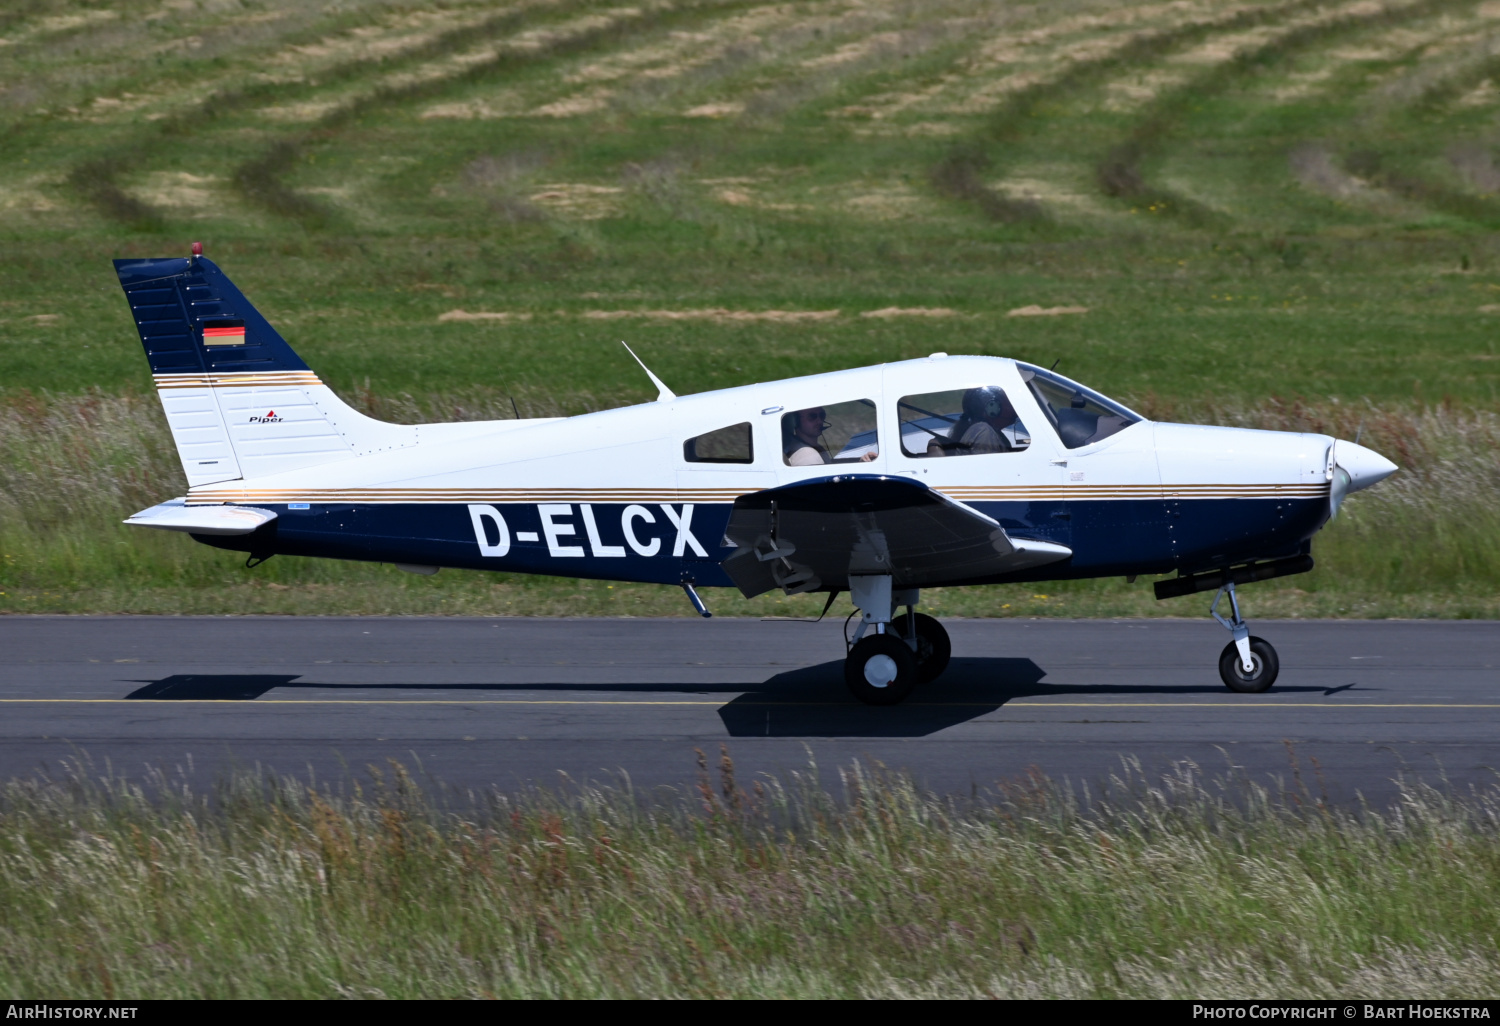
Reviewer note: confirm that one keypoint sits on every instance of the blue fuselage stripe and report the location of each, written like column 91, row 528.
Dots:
column 661, row 543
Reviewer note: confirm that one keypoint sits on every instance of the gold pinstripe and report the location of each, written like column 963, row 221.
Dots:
column 281, row 379
column 1078, row 492
column 1016, row 493
column 452, row 495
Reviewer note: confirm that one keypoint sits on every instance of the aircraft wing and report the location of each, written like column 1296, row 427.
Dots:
column 228, row 520
column 815, row 534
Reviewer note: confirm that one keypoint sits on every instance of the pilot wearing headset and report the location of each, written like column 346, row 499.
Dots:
column 986, row 413
column 802, row 439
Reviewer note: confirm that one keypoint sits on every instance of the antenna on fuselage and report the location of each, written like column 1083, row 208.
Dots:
column 663, row 393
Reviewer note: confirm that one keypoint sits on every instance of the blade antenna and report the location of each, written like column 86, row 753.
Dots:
column 663, row 393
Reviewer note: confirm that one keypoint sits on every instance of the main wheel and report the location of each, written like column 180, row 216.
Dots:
column 1262, row 675
column 880, row 670
column 933, row 647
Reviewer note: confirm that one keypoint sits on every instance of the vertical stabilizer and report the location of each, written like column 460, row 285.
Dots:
column 240, row 402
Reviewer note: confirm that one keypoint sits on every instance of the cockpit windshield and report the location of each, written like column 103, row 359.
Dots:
column 1080, row 415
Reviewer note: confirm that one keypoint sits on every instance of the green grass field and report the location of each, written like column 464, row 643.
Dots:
column 1271, row 213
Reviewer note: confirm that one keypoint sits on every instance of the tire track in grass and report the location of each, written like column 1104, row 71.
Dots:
column 1434, row 85
column 199, row 45
column 1342, row 71
column 787, row 53
column 1429, row 92
column 647, row 76
column 1393, row 46
column 96, row 180
column 961, row 174
column 260, row 180
column 18, row 11
column 1371, row 166
column 1445, row 59
column 1119, row 173
column 1025, row 57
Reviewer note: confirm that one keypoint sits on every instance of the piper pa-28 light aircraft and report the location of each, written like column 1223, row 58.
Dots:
column 877, row 481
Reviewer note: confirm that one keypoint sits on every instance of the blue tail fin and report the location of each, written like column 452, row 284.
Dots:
column 174, row 301
column 240, row 402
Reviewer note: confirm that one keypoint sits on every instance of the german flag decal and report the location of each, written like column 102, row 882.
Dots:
column 224, row 333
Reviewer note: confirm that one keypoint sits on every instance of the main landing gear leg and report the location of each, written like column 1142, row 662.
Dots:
column 1247, row 664
column 891, row 657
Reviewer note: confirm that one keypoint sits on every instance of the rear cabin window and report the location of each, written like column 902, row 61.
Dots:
column 725, row 445
column 961, row 422
column 833, row 433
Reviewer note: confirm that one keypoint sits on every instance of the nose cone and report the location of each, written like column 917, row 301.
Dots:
column 1364, row 466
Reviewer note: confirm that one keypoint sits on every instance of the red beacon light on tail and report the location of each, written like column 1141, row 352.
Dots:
column 197, row 251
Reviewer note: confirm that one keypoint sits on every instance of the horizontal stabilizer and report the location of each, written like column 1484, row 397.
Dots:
column 175, row 516
column 816, row 534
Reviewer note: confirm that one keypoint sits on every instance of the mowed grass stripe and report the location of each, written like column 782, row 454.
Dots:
column 961, row 176
column 259, row 179
column 1120, row 172
column 96, row 179
column 1333, row 95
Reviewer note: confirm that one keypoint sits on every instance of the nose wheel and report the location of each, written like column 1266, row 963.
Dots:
column 1263, row 667
column 1247, row 665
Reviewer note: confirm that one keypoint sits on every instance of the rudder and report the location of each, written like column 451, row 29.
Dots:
column 240, row 402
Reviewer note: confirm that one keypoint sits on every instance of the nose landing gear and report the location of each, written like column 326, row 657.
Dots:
column 1248, row 664
column 883, row 667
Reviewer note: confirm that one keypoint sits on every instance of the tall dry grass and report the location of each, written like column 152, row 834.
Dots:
column 1433, row 527
column 1185, row 887
column 1426, row 542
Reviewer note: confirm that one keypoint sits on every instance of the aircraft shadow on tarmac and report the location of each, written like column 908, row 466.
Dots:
column 808, row 702
column 223, row 687
column 813, row 702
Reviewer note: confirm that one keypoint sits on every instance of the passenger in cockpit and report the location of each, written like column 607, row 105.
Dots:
column 986, row 414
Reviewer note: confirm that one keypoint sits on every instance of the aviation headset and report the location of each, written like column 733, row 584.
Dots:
column 984, row 403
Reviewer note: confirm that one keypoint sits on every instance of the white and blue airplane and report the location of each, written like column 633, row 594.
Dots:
column 876, row 481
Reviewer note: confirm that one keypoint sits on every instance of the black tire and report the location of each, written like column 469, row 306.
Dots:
column 880, row 670
column 933, row 647
column 1267, row 666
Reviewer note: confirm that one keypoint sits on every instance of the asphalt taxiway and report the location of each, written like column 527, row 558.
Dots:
column 516, row 702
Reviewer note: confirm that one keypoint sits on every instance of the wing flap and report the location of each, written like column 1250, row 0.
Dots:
column 226, row 520
column 816, row 534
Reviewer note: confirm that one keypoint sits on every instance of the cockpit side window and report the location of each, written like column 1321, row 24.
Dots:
column 832, row 433
column 1080, row 415
column 960, row 422
column 726, row 445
